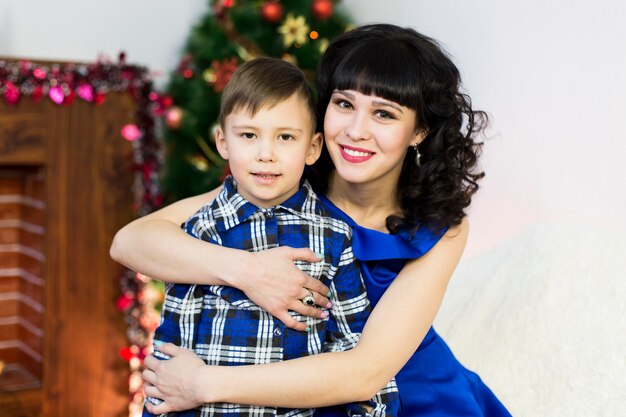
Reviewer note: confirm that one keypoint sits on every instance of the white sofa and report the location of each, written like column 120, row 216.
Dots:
column 542, row 319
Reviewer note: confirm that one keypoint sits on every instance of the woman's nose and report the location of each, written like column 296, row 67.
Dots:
column 358, row 127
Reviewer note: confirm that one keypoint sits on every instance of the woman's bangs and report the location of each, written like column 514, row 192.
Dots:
column 377, row 72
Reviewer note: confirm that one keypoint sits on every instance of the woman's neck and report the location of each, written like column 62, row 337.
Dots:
column 366, row 204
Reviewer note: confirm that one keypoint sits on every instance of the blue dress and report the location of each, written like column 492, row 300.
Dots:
column 433, row 383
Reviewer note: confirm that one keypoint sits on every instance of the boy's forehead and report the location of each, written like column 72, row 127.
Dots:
column 283, row 113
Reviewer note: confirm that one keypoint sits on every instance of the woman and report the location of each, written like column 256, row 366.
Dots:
column 382, row 89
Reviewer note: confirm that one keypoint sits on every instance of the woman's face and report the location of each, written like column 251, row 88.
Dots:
column 368, row 137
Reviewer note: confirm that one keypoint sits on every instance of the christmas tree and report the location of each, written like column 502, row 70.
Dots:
column 233, row 31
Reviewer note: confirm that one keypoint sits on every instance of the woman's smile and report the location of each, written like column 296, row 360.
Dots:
column 355, row 155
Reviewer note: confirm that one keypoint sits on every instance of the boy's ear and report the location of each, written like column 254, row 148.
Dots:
column 220, row 143
column 315, row 149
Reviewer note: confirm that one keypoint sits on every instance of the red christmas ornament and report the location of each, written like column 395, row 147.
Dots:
column 223, row 72
column 37, row 94
column 322, row 9
column 167, row 101
column 39, row 74
column 85, row 92
column 272, row 12
column 99, row 98
column 56, row 95
column 12, row 93
column 69, row 99
column 124, row 302
column 126, row 353
column 173, row 117
column 131, row 132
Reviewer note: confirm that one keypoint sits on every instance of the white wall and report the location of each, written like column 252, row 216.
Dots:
column 551, row 74
column 151, row 32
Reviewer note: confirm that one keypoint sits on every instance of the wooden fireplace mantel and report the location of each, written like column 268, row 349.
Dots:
column 86, row 169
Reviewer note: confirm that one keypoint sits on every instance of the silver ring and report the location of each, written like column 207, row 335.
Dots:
column 309, row 300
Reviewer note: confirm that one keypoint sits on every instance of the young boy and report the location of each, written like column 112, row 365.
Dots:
column 267, row 134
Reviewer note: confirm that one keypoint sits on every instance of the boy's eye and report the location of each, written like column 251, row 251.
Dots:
column 285, row 136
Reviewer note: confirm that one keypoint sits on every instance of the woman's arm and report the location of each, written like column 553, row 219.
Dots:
column 156, row 246
column 393, row 332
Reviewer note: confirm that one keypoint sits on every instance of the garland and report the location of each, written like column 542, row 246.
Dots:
column 62, row 84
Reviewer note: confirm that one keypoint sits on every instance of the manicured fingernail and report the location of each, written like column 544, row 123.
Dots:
column 308, row 329
column 329, row 305
column 319, row 255
column 158, row 343
column 324, row 314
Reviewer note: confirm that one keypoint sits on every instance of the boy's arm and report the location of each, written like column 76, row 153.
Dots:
column 348, row 315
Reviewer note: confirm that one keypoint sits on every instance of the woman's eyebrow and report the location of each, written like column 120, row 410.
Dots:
column 345, row 93
column 375, row 102
column 388, row 104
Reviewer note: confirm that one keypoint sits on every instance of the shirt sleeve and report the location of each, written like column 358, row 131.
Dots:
column 348, row 315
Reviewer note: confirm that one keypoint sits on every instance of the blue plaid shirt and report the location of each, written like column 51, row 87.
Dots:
column 224, row 327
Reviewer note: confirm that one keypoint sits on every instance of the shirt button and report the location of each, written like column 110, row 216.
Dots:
column 277, row 332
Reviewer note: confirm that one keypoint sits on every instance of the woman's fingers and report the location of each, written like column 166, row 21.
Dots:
column 303, row 254
column 157, row 409
column 317, row 287
column 151, row 391
column 150, row 362
column 169, row 349
column 290, row 322
column 279, row 286
column 148, row 376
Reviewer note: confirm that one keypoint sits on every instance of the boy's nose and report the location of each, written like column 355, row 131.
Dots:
column 265, row 151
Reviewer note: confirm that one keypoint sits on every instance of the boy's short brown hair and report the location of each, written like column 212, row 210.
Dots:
column 264, row 82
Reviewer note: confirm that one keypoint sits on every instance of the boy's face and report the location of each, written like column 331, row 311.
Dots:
column 267, row 152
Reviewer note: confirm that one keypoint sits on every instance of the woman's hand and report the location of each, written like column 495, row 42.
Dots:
column 172, row 380
column 277, row 285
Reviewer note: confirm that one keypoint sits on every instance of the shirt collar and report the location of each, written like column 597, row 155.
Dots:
column 230, row 208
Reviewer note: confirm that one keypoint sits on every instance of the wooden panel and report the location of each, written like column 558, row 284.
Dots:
column 9, row 283
column 9, row 234
column 9, row 307
column 21, row 403
column 86, row 185
column 10, row 210
column 88, row 166
column 22, row 134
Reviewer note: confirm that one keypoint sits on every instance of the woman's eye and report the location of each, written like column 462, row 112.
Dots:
column 381, row 114
column 285, row 137
column 343, row 103
column 247, row 135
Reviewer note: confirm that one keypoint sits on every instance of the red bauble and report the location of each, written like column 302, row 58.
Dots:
column 272, row 11
column 173, row 118
column 322, row 9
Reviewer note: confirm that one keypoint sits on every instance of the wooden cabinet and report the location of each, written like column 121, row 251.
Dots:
column 65, row 189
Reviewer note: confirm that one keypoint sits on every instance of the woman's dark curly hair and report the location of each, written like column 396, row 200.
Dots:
column 404, row 66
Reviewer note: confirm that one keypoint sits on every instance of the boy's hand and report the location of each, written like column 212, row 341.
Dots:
column 279, row 286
